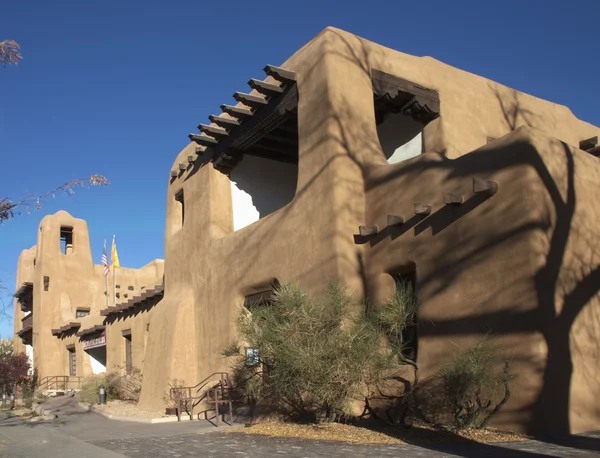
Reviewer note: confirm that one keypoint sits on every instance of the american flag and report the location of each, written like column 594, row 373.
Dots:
column 105, row 261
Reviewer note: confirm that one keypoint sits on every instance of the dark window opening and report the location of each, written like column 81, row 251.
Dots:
column 410, row 333
column 181, row 206
column 262, row 296
column 66, row 239
column 402, row 110
column 128, row 353
column 80, row 313
column 72, row 362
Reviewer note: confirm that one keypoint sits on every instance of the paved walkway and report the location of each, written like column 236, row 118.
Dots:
column 81, row 434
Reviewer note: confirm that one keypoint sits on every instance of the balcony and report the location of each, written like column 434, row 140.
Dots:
column 26, row 332
column 24, row 296
column 27, row 321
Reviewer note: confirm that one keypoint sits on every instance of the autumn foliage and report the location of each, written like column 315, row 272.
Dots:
column 14, row 371
column 9, row 52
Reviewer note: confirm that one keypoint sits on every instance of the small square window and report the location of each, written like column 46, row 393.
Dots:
column 80, row 313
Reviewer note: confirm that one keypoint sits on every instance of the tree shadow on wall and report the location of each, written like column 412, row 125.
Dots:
column 557, row 306
column 563, row 286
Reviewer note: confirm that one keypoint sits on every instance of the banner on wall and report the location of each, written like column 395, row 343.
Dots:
column 96, row 342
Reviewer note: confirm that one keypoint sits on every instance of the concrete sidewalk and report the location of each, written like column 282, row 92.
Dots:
column 81, row 433
column 70, row 434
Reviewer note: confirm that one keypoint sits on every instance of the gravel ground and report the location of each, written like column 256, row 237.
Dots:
column 127, row 409
column 374, row 435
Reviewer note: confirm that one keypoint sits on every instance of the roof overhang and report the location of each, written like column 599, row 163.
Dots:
column 246, row 128
column 69, row 327
column 153, row 294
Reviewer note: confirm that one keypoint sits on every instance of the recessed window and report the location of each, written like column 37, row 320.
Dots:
column 402, row 110
column 66, row 239
column 128, row 352
column 72, row 361
column 80, row 313
column 180, row 207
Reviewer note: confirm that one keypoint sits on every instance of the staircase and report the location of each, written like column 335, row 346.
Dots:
column 215, row 390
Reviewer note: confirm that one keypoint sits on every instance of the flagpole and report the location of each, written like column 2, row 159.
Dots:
column 114, row 274
column 106, row 277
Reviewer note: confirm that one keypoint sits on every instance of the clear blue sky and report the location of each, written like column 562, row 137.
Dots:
column 114, row 87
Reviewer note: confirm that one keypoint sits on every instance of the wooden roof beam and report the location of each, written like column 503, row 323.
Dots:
column 393, row 220
column 213, row 130
column 422, row 209
column 453, row 199
column 203, row 140
column 280, row 74
column 484, row 186
column 265, row 88
column 366, row 231
column 250, row 99
column 588, row 143
column 223, row 121
column 237, row 111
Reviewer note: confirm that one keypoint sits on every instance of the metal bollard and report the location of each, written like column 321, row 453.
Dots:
column 3, row 399
column 102, row 394
column 12, row 401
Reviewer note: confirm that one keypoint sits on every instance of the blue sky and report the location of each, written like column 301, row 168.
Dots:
column 114, row 87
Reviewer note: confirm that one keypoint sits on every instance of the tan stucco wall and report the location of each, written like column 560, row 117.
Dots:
column 74, row 281
column 483, row 263
column 503, row 265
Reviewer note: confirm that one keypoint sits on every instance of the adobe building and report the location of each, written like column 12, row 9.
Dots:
column 355, row 162
column 60, row 293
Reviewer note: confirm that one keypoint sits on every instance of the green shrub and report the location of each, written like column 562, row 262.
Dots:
column 90, row 388
column 472, row 382
column 317, row 356
column 117, row 385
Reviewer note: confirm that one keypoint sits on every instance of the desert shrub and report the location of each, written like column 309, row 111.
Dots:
column 28, row 391
column 316, row 356
column 472, row 382
column 394, row 318
column 173, row 383
column 117, row 385
column 124, row 387
column 90, row 388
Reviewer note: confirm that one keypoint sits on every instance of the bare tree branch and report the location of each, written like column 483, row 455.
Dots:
column 9, row 208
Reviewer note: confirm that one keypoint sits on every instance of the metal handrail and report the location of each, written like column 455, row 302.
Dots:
column 191, row 393
column 60, row 382
column 174, row 393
